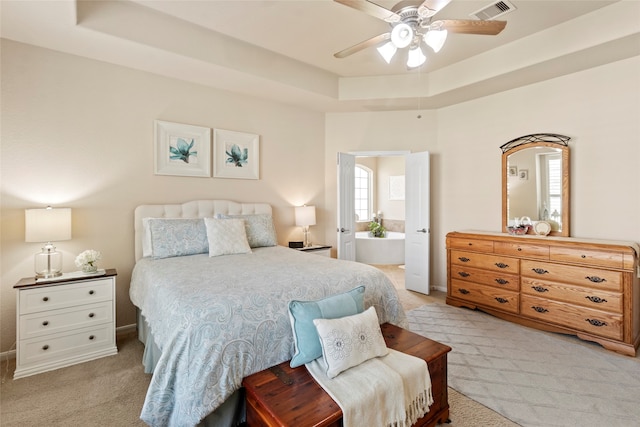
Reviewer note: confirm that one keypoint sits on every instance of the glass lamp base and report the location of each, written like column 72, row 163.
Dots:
column 48, row 263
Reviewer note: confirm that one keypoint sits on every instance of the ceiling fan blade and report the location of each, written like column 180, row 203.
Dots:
column 371, row 9
column 429, row 8
column 363, row 45
column 472, row 26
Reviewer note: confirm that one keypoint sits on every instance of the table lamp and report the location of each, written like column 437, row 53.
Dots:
column 46, row 226
column 305, row 216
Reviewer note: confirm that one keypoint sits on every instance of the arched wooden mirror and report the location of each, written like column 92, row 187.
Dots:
column 535, row 181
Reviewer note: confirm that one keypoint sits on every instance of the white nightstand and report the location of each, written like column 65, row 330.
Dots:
column 317, row 250
column 64, row 321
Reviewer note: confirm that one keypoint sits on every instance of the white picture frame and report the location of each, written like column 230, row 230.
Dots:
column 523, row 174
column 513, row 171
column 396, row 187
column 236, row 154
column 182, row 150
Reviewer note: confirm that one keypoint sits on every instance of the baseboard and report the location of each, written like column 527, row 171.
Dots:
column 120, row 330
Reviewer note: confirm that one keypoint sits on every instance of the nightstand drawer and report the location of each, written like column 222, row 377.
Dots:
column 55, row 321
column 69, row 295
column 53, row 348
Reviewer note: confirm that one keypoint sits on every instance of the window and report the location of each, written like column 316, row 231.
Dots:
column 551, row 185
column 363, row 193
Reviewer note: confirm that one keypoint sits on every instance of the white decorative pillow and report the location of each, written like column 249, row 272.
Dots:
column 171, row 237
column 226, row 237
column 349, row 341
column 260, row 229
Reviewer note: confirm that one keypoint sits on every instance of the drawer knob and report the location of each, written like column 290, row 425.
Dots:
column 502, row 281
column 463, row 291
column 539, row 309
column 539, row 289
column 91, row 314
column 91, row 292
column 45, row 323
column 595, row 279
column 463, row 274
column 92, row 337
column 464, row 259
column 583, row 256
column 539, row 270
column 45, row 299
column 501, row 300
column 45, row 347
column 597, row 300
column 596, row 322
column 519, row 249
column 501, row 265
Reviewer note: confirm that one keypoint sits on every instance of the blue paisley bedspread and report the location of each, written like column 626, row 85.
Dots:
column 219, row 319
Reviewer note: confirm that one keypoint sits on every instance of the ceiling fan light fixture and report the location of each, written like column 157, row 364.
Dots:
column 435, row 39
column 401, row 35
column 416, row 57
column 387, row 51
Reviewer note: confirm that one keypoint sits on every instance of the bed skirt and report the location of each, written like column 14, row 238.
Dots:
column 231, row 413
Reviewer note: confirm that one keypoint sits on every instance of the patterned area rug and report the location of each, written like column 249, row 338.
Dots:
column 532, row 377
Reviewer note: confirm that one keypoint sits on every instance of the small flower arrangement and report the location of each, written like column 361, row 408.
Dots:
column 88, row 260
column 376, row 229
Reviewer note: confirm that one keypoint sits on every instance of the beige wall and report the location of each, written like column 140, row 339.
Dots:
column 79, row 133
column 597, row 108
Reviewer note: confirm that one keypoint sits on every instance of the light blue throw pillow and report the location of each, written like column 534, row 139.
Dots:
column 260, row 229
column 302, row 313
column 171, row 237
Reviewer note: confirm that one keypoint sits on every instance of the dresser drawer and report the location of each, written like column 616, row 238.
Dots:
column 586, row 256
column 485, row 295
column 595, row 322
column 587, row 297
column 471, row 244
column 55, row 321
column 525, row 250
column 55, row 297
column 485, row 277
column 486, row 261
column 76, row 343
column 591, row 277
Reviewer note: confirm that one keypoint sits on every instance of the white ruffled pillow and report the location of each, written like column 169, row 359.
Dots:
column 226, row 237
column 349, row 341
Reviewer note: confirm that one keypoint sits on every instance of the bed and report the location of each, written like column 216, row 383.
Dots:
column 209, row 321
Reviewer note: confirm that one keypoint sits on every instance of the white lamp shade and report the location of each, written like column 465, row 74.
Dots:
column 435, row 39
column 305, row 216
column 416, row 58
column 47, row 225
column 387, row 51
column 401, row 35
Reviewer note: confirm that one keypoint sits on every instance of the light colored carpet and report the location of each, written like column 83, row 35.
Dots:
column 532, row 377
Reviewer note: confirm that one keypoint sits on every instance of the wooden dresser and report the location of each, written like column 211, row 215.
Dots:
column 587, row 288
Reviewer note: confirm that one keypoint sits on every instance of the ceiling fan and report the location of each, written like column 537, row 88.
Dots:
column 411, row 24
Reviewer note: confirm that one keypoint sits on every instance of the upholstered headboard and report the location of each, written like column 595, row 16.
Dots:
column 194, row 209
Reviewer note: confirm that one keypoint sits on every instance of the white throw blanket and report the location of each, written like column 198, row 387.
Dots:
column 394, row 390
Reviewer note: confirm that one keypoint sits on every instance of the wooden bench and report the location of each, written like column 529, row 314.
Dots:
column 286, row 397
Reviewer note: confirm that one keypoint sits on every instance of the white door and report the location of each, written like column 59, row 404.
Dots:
column 346, row 207
column 417, row 222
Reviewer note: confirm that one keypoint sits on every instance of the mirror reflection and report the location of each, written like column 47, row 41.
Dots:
column 536, row 182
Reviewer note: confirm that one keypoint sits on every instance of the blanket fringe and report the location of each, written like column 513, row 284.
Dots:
column 416, row 410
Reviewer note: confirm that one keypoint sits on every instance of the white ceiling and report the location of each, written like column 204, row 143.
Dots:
column 283, row 50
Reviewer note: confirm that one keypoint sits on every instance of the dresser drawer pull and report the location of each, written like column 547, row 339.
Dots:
column 501, row 300
column 91, row 292
column 464, row 259
column 595, row 279
column 583, row 256
column 501, row 265
column 463, row 274
column 91, row 314
column 45, row 323
column 596, row 322
column 92, row 337
column 45, row 347
column 539, row 309
column 539, row 270
column 539, row 289
column 597, row 300
column 45, row 299
column 502, row 281
column 519, row 249
column 463, row 291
